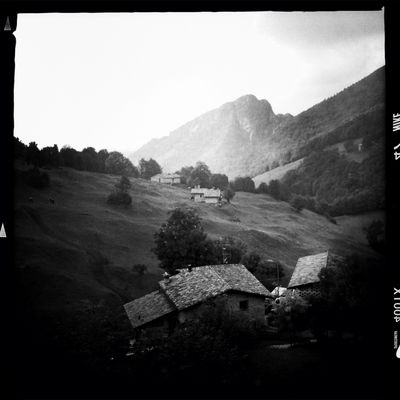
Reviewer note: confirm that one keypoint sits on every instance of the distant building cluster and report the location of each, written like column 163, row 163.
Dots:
column 169, row 179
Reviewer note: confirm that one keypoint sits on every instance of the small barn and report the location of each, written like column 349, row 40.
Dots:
column 182, row 297
column 204, row 195
column 212, row 196
column 197, row 194
column 305, row 279
column 170, row 179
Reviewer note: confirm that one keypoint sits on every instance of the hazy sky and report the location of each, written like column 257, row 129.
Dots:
column 117, row 80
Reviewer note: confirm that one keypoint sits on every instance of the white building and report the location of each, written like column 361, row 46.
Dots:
column 166, row 178
column 204, row 195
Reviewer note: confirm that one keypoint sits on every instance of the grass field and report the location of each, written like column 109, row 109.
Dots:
column 81, row 249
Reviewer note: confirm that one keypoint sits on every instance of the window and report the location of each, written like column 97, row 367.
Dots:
column 244, row 305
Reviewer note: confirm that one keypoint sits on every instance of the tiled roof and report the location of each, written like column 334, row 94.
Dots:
column 191, row 287
column 308, row 268
column 148, row 308
column 188, row 288
column 198, row 190
column 238, row 277
column 212, row 193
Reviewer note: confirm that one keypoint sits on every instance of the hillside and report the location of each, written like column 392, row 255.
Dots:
column 276, row 173
column 245, row 137
column 80, row 250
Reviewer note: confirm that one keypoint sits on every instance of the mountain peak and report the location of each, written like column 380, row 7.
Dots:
column 244, row 136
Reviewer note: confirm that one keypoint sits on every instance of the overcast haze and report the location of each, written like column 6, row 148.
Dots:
column 117, row 80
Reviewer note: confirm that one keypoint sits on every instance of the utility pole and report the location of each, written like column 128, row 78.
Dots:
column 277, row 273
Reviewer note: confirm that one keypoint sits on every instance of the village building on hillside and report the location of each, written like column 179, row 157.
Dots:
column 305, row 280
column 204, row 195
column 170, row 179
column 182, row 297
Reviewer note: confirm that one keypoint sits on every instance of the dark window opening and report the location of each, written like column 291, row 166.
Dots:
column 244, row 305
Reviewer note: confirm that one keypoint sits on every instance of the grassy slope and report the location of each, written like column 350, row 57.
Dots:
column 276, row 173
column 81, row 249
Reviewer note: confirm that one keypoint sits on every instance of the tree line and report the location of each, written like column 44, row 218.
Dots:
column 88, row 159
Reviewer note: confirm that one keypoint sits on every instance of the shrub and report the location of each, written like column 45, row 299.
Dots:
column 298, row 202
column 228, row 194
column 37, row 179
column 120, row 195
column 263, row 188
column 119, row 198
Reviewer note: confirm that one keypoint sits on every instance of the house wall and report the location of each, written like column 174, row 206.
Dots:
column 312, row 289
column 199, row 198
column 255, row 311
column 159, row 327
column 155, row 180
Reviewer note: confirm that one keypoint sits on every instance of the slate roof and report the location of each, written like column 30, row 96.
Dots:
column 148, row 308
column 188, row 288
column 212, row 193
column 198, row 190
column 308, row 268
column 191, row 287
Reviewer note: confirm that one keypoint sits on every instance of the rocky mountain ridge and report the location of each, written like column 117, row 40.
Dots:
column 245, row 137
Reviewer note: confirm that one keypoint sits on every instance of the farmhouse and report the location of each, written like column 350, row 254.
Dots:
column 182, row 297
column 305, row 280
column 204, row 195
column 212, row 196
column 197, row 194
column 166, row 178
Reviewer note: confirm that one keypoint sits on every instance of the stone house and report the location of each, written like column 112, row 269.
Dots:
column 182, row 297
column 305, row 280
column 197, row 194
column 212, row 196
column 166, row 178
column 204, row 195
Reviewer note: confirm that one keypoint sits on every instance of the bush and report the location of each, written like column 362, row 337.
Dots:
column 119, row 198
column 120, row 195
column 243, row 184
column 228, row 194
column 37, row 179
column 298, row 203
column 263, row 188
